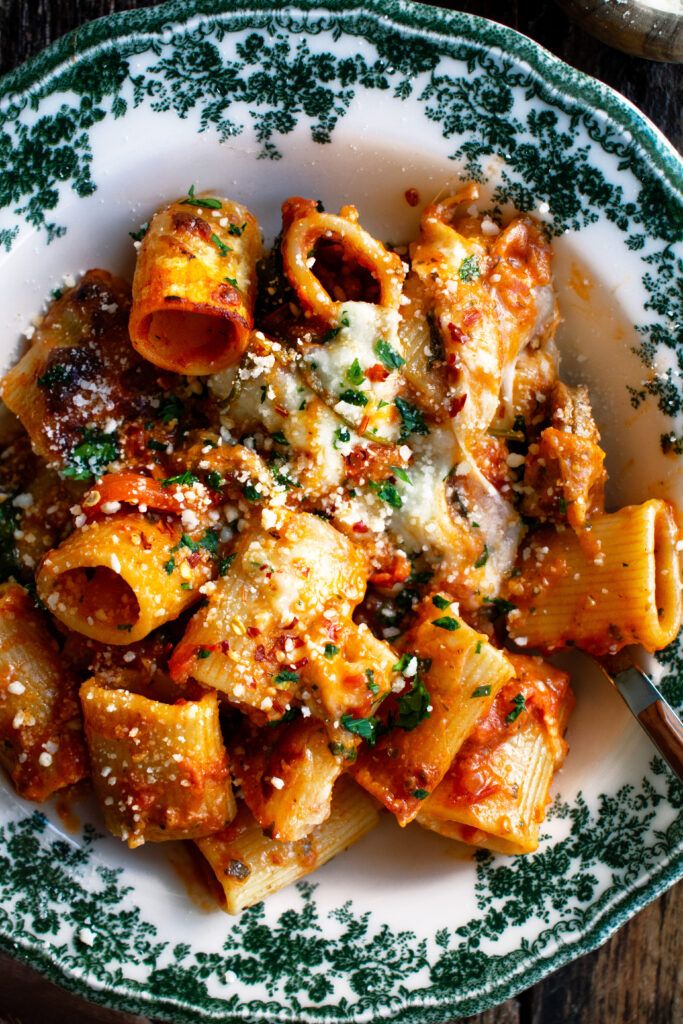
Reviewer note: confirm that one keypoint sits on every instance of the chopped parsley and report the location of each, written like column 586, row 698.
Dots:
column 518, row 705
column 387, row 492
column 169, row 566
column 214, row 480
column 334, row 331
column 250, row 493
column 289, row 716
column 125, row 627
column 156, row 446
column 483, row 558
column 403, row 662
column 500, row 604
column 399, row 472
column 388, row 356
column 446, row 622
column 137, row 236
column 185, row 479
column 373, row 687
column 170, row 409
column 339, row 750
column 232, row 281
column 355, row 374
column 220, row 245
column 413, row 707
column 279, row 438
column 420, row 794
column 441, row 602
column 331, row 651
column 469, row 269
column 209, row 542
column 481, row 691
column 353, row 397
column 203, row 652
column 366, row 728
column 341, row 436
column 237, row 229
column 225, row 563
column 58, row 373
column 92, row 456
column 207, row 202
column 285, row 675
column 412, row 420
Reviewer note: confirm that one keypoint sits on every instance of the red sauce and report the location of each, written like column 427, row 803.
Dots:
column 412, row 196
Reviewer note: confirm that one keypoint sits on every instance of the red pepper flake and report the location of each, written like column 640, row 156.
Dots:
column 353, row 682
column 360, row 528
column 281, row 410
column 456, row 405
column 193, row 558
column 252, row 631
column 290, row 625
column 260, row 653
column 363, row 425
column 458, row 336
column 471, row 317
column 412, row 196
column 224, row 646
column 377, row 373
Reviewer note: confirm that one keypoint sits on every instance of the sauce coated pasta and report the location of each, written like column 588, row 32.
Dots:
column 286, row 535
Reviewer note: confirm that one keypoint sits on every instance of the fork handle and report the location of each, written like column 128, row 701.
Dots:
column 665, row 729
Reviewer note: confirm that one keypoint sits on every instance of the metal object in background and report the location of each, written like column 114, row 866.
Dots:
column 645, row 28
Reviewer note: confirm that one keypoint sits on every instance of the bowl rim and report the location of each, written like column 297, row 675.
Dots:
column 560, row 77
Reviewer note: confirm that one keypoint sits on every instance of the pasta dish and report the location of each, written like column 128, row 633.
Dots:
column 287, row 535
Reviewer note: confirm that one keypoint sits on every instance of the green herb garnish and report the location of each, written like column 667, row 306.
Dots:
column 387, row 492
column 208, row 202
column 483, row 558
column 331, row 651
column 446, row 622
column 441, row 602
column 286, row 676
column 388, row 356
column 366, row 728
column 185, row 479
column 481, row 691
column 413, row 707
column 355, row 374
column 469, row 269
column 412, row 420
column 519, row 705
column 220, row 245
column 353, row 397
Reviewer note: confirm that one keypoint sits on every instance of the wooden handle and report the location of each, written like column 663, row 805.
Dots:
column 665, row 729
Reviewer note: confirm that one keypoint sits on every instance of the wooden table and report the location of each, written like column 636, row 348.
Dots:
column 636, row 977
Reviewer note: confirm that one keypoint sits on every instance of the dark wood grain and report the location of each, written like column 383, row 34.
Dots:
column 636, row 977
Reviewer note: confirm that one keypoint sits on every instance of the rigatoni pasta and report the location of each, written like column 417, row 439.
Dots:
column 248, row 866
column 290, row 522
column 618, row 583
column 160, row 770
column 195, row 284
column 41, row 734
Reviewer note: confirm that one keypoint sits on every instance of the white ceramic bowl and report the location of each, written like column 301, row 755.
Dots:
column 357, row 104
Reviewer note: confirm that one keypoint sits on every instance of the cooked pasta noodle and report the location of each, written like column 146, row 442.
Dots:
column 290, row 521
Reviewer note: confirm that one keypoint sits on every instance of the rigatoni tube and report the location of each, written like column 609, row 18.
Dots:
column 120, row 577
column 41, row 737
column 618, row 583
column 247, row 865
column 160, row 770
column 195, row 285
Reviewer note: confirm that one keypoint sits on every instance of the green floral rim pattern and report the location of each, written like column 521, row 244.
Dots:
column 614, row 858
